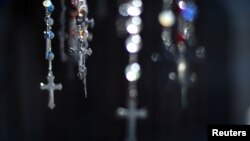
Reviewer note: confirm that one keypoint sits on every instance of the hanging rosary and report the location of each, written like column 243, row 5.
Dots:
column 77, row 39
column 49, row 55
column 186, row 12
column 81, row 49
column 132, row 10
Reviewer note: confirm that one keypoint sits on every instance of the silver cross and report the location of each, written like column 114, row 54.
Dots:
column 82, row 70
column 132, row 113
column 51, row 87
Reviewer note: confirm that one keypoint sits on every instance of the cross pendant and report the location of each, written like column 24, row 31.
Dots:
column 131, row 114
column 82, row 70
column 51, row 87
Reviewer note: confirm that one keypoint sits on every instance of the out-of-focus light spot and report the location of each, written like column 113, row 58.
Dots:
column 190, row 12
column 133, row 25
column 182, row 66
column 166, row 18
column 133, row 11
column 182, row 5
column 200, row 52
column 137, row 3
column 123, row 9
column 133, row 43
column 132, row 72
column 172, row 76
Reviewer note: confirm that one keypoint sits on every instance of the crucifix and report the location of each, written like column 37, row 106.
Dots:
column 51, row 87
column 132, row 114
column 82, row 70
column 49, row 35
column 80, row 24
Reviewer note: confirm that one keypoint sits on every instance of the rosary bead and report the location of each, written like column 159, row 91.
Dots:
column 134, row 8
column 134, row 25
column 180, row 38
column 50, row 55
column 82, row 11
column 49, row 35
column 47, row 3
column 51, row 8
column 133, row 43
column 189, row 12
column 50, row 21
column 133, row 72
column 166, row 18
column 79, row 20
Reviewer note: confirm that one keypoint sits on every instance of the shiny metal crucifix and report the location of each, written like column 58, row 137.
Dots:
column 132, row 113
column 51, row 87
column 80, row 48
column 82, row 53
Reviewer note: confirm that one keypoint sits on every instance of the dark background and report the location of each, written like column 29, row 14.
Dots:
column 221, row 94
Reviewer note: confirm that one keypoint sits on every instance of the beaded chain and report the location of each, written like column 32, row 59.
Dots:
column 187, row 12
column 184, row 15
column 132, row 9
column 49, row 55
column 82, row 50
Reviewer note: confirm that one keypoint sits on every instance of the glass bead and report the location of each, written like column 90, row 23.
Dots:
column 123, row 9
column 50, row 55
column 133, row 72
column 166, row 18
column 49, row 35
column 79, row 20
column 134, row 25
column 182, row 4
column 83, row 34
column 181, row 38
column 134, row 8
column 189, row 12
column 137, row 3
column 50, row 21
column 133, row 43
column 133, row 11
column 47, row 3
column 51, row 8
column 81, row 12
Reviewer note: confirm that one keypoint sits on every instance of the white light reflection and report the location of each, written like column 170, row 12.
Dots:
column 133, row 72
column 133, row 43
column 182, row 67
column 182, row 5
column 133, row 25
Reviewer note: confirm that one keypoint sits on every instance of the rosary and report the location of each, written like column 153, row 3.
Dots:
column 182, row 44
column 132, row 10
column 79, row 47
column 178, row 35
column 49, row 55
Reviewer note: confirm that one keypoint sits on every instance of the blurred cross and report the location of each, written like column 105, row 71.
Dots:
column 51, row 87
column 132, row 113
